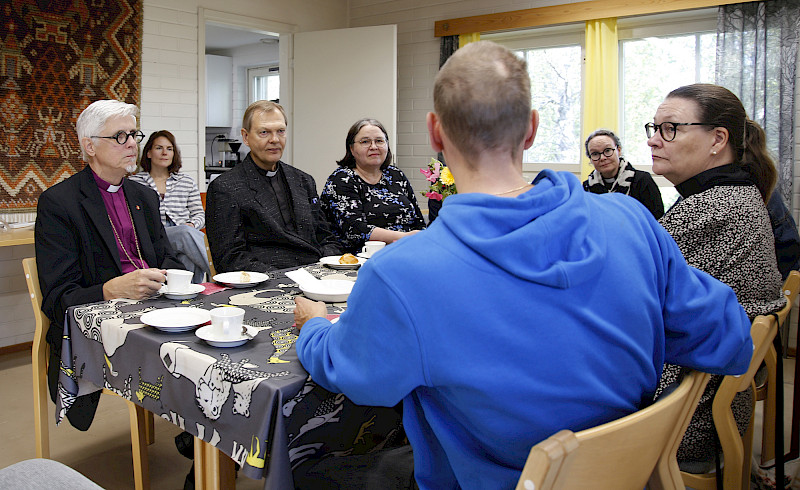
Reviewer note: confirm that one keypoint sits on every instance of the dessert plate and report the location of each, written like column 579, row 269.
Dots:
column 241, row 279
column 332, row 261
column 179, row 319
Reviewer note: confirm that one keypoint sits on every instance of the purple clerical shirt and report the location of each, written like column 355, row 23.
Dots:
column 117, row 209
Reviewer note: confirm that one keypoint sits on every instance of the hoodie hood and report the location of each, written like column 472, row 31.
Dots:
column 563, row 244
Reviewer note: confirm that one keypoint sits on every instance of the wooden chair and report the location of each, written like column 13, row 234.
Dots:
column 767, row 391
column 210, row 260
column 737, row 450
column 140, row 419
column 622, row 454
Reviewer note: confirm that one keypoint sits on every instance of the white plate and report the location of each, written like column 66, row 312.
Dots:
column 328, row 290
column 180, row 319
column 332, row 261
column 191, row 291
column 207, row 333
column 235, row 279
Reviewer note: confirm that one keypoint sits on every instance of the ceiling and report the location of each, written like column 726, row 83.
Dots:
column 218, row 37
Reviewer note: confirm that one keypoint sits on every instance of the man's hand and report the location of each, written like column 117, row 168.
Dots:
column 306, row 309
column 139, row 284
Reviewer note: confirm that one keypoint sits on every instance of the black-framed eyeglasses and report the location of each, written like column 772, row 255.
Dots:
column 122, row 137
column 595, row 156
column 668, row 129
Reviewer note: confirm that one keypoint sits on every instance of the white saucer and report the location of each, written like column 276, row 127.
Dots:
column 179, row 319
column 363, row 255
column 207, row 334
column 235, row 279
column 332, row 261
column 191, row 291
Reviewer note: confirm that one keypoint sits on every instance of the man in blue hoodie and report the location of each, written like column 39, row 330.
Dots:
column 525, row 308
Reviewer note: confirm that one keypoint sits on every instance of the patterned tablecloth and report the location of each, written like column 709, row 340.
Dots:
column 255, row 403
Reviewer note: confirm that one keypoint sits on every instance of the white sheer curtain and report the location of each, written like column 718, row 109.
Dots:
column 756, row 60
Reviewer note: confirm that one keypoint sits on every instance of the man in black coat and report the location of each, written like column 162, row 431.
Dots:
column 264, row 214
column 98, row 236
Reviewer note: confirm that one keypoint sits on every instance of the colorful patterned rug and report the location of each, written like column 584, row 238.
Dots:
column 57, row 57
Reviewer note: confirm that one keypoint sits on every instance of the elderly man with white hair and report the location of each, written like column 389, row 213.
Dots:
column 98, row 236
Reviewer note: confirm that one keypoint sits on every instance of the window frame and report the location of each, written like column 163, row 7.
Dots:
column 259, row 71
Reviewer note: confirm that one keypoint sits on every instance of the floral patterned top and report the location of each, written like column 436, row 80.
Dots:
column 355, row 207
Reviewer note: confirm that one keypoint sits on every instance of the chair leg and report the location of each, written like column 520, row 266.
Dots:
column 141, row 466
column 768, row 420
column 213, row 470
column 150, row 428
column 41, row 423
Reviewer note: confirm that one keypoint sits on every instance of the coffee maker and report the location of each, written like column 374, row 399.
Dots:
column 227, row 151
column 230, row 152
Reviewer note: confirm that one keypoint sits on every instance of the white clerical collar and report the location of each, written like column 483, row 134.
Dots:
column 114, row 188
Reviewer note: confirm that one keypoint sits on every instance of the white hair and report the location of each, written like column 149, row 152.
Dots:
column 95, row 116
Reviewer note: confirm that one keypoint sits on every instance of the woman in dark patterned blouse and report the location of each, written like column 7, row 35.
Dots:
column 368, row 198
column 703, row 142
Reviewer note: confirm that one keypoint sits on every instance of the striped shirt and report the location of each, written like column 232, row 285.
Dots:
column 181, row 204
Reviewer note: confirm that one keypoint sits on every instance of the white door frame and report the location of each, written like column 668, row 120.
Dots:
column 264, row 26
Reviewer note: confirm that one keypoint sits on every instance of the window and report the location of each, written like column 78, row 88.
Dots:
column 655, row 58
column 555, row 63
column 264, row 83
column 657, row 53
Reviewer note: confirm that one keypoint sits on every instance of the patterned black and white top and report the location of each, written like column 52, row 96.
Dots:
column 722, row 227
column 355, row 207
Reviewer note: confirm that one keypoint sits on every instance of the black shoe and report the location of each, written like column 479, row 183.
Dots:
column 185, row 444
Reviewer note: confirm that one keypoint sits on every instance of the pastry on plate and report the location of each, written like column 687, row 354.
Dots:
column 244, row 277
column 348, row 259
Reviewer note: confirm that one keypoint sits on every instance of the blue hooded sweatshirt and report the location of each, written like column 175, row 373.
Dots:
column 510, row 319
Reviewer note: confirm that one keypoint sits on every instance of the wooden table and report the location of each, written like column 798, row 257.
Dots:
column 254, row 403
column 17, row 236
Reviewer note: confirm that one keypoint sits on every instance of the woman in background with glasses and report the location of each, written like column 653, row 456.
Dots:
column 703, row 142
column 180, row 206
column 368, row 198
column 613, row 174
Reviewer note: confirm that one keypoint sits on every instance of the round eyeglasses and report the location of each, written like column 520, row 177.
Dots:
column 366, row 142
column 595, row 155
column 668, row 130
column 122, row 137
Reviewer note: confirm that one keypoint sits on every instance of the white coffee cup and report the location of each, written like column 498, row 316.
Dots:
column 178, row 280
column 226, row 322
column 372, row 246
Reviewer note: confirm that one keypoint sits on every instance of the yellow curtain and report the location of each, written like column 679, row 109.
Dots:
column 601, row 100
column 464, row 39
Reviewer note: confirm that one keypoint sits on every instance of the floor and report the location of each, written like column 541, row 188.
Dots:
column 103, row 452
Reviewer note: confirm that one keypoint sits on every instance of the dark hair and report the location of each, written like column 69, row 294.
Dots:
column 349, row 161
column 482, row 97
column 601, row 132
column 145, row 162
column 721, row 108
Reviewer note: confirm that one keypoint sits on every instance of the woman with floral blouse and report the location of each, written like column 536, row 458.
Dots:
column 368, row 198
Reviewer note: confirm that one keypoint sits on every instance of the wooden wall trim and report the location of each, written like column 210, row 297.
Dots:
column 565, row 13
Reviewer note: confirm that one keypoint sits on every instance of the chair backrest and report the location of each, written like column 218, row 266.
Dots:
column 39, row 358
column 622, row 454
column 790, row 289
column 763, row 332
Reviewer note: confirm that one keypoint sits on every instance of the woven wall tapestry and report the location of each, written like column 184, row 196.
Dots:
column 56, row 58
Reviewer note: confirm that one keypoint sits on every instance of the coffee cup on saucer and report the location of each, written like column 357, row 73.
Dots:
column 178, row 280
column 372, row 246
column 226, row 322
